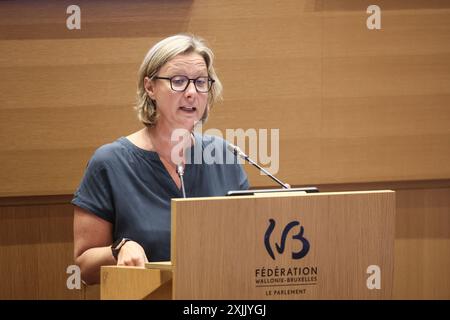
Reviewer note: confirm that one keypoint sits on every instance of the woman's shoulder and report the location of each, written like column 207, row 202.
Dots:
column 108, row 153
column 211, row 139
column 217, row 150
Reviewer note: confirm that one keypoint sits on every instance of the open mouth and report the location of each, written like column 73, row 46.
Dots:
column 188, row 109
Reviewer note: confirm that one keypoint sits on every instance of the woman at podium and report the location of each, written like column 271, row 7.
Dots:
column 122, row 205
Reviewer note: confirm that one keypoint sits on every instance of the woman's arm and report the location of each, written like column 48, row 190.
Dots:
column 92, row 246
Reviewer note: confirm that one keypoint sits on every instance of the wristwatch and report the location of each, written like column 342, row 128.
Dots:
column 117, row 245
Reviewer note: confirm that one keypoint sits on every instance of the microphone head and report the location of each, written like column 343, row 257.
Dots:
column 231, row 147
column 180, row 169
column 236, row 150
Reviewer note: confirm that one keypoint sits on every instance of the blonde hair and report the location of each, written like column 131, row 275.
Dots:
column 157, row 57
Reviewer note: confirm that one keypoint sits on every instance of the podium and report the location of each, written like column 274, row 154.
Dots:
column 336, row 245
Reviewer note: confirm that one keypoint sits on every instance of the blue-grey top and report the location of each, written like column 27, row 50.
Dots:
column 131, row 188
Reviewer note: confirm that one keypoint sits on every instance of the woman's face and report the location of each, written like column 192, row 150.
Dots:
column 179, row 109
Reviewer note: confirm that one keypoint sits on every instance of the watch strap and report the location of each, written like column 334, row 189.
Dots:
column 117, row 245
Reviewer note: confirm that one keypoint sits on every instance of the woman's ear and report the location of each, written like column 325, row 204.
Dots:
column 149, row 86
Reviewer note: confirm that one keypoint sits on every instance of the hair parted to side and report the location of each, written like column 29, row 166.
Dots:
column 159, row 55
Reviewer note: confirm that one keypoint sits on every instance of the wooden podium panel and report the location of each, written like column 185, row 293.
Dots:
column 219, row 251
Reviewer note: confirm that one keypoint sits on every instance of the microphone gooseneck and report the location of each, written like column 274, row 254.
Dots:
column 180, row 171
column 180, row 168
column 237, row 151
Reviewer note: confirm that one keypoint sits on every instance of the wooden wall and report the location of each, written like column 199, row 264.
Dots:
column 356, row 108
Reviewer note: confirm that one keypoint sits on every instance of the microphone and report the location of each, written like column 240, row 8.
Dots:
column 180, row 171
column 237, row 151
column 179, row 168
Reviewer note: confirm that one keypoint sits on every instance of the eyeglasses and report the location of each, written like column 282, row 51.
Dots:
column 180, row 83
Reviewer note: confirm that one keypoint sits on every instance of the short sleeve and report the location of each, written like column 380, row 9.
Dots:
column 95, row 191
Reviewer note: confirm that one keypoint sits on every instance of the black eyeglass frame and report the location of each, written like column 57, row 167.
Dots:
column 210, row 81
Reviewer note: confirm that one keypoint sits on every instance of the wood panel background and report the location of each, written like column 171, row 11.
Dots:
column 353, row 106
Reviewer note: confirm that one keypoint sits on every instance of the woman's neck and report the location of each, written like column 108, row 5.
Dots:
column 165, row 140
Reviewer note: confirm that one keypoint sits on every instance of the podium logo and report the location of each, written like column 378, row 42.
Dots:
column 280, row 247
